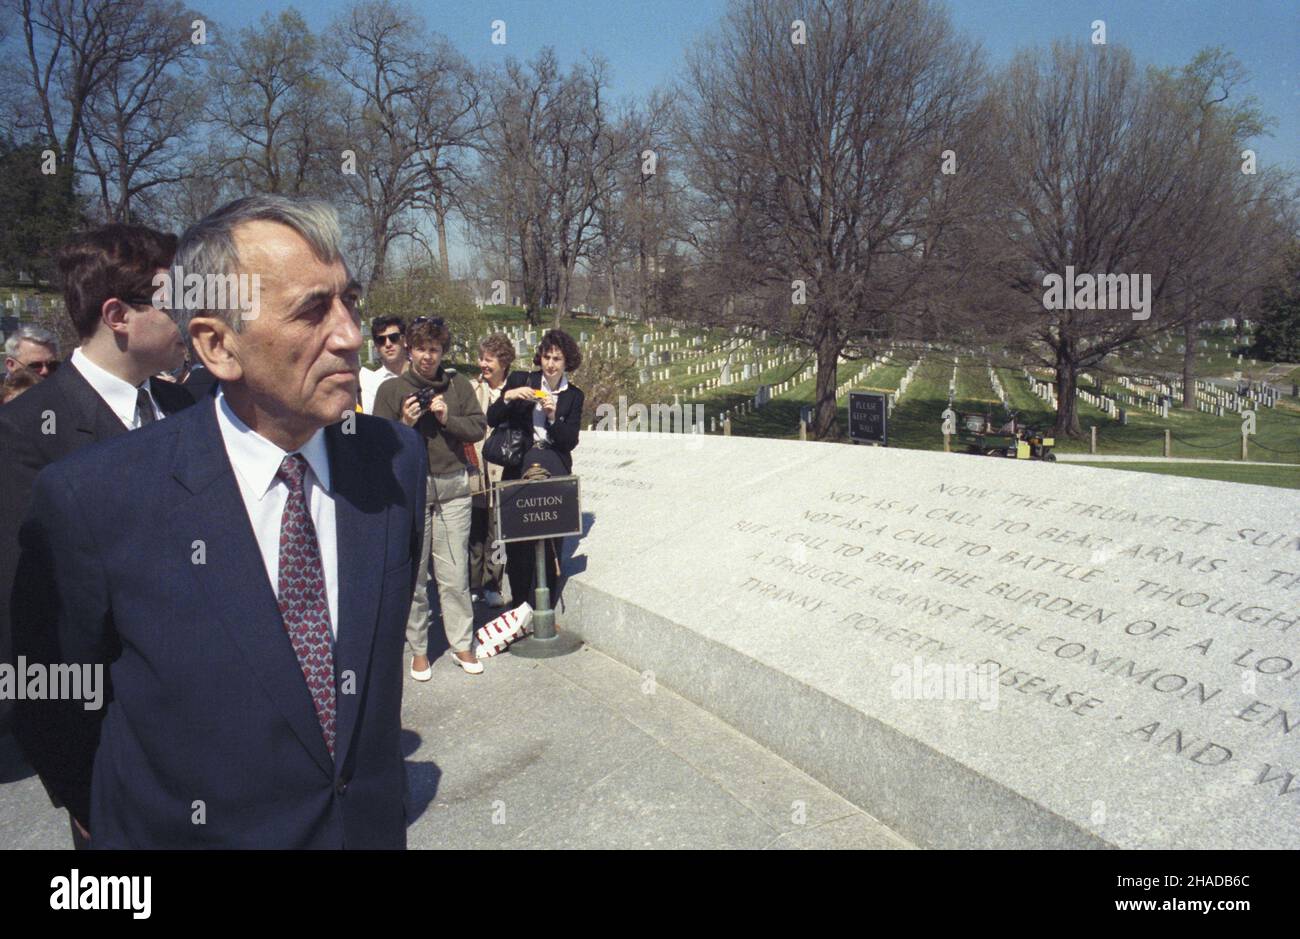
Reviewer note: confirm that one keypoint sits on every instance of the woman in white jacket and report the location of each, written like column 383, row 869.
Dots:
column 496, row 353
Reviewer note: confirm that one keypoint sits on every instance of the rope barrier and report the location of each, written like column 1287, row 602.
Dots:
column 1271, row 449
column 1194, row 446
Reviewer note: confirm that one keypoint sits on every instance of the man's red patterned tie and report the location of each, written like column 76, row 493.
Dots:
column 303, row 601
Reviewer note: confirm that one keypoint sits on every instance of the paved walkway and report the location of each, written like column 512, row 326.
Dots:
column 575, row 752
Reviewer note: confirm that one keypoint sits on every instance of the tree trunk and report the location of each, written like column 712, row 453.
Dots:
column 565, row 278
column 825, row 414
column 379, row 238
column 1067, row 380
column 440, row 218
column 1189, row 365
column 528, row 274
column 613, row 287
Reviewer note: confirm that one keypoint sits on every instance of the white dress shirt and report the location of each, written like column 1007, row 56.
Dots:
column 117, row 393
column 539, row 413
column 371, row 379
column 256, row 461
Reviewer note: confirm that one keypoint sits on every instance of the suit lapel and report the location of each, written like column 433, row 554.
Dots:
column 91, row 413
column 232, row 577
column 361, row 537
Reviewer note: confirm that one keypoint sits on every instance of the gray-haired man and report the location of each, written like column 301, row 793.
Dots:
column 256, row 665
column 34, row 349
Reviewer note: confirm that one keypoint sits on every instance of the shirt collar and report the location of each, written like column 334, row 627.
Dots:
column 257, row 460
column 118, row 393
column 564, row 383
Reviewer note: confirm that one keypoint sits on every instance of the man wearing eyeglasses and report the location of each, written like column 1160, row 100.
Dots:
column 32, row 349
column 389, row 334
column 103, row 390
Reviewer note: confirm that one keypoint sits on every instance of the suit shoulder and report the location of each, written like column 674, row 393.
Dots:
column 23, row 413
column 171, row 396
column 119, row 460
column 378, row 434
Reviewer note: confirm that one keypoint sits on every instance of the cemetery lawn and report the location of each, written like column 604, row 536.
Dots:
column 1280, row 476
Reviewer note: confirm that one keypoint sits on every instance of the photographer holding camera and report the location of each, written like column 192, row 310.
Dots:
column 441, row 406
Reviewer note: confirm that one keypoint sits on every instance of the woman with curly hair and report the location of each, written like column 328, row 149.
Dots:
column 549, row 420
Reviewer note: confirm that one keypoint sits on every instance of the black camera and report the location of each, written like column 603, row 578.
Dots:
column 427, row 393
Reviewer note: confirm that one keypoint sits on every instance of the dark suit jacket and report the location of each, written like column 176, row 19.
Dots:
column 50, row 420
column 200, row 382
column 148, row 565
column 563, row 431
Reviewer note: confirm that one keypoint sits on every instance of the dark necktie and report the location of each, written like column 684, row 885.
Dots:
column 143, row 407
column 304, row 604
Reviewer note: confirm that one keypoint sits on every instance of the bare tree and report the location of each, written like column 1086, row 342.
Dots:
column 141, row 119
column 271, row 106
column 411, row 106
column 818, row 148
column 546, row 170
column 71, row 49
column 449, row 128
column 1109, row 173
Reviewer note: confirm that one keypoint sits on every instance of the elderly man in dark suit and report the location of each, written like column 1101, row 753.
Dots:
column 104, row 390
column 243, row 570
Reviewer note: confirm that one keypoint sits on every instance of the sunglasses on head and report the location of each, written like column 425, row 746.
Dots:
column 386, row 338
column 435, row 320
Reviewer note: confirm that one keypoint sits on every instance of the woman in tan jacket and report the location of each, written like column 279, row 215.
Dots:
column 496, row 353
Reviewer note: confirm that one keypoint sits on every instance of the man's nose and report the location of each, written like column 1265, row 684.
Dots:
column 346, row 334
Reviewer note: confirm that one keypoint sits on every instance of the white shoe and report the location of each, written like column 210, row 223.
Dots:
column 471, row 668
column 493, row 599
column 424, row 675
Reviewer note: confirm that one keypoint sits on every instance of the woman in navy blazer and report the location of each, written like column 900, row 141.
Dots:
column 552, row 425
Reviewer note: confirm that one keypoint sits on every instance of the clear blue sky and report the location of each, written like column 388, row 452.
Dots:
column 644, row 41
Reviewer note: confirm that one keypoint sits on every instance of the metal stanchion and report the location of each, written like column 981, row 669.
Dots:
column 545, row 642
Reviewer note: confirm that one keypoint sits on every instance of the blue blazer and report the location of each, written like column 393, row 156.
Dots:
column 138, row 555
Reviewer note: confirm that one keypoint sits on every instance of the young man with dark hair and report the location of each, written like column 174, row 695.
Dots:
column 441, row 406
column 105, row 388
column 389, row 335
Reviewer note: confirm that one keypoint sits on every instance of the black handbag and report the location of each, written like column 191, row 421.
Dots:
column 505, row 447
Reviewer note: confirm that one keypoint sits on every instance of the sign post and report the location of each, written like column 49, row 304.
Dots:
column 536, row 510
column 868, row 418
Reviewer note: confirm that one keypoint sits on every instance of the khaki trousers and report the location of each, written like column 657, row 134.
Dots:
column 446, row 550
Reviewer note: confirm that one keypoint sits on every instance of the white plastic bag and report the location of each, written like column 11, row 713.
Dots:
column 493, row 637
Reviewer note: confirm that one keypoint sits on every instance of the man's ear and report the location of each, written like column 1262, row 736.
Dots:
column 113, row 314
column 217, row 347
